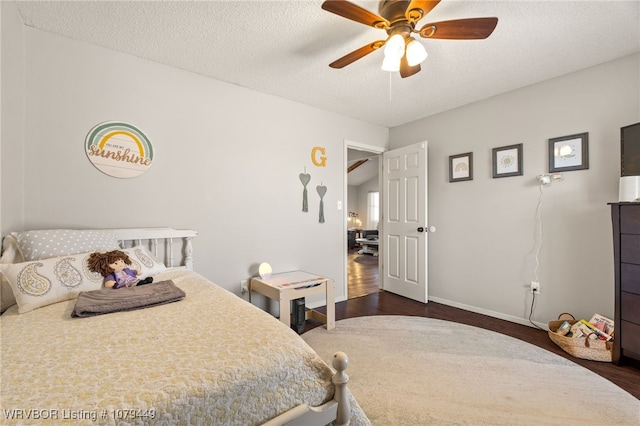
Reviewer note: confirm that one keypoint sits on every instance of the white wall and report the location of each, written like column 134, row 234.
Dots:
column 352, row 199
column 482, row 256
column 372, row 185
column 226, row 163
column 11, row 119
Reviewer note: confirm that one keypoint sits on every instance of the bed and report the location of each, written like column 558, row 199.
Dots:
column 210, row 358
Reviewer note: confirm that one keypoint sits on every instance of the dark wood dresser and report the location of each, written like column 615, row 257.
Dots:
column 626, row 249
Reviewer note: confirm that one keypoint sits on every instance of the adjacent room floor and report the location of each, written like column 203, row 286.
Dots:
column 362, row 274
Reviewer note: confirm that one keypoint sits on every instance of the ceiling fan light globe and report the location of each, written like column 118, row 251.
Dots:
column 394, row 47
column 391, row 64
column 416, row 53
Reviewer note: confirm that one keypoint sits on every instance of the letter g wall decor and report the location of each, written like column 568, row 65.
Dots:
column 119, row 149
column 319, row 159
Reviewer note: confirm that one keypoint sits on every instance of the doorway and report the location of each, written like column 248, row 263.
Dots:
column 362, row 213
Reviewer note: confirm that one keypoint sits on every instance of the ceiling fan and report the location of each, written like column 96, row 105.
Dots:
column 399, row 18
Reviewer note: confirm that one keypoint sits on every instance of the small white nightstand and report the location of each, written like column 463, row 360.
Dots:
column 287, row 286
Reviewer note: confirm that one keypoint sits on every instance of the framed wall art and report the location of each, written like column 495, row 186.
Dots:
column 569, row 153
column 119, row 149
column 507, row 161
column 461, row 167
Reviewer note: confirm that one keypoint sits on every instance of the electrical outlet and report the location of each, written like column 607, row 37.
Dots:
column 244, row 286
column 535, row 287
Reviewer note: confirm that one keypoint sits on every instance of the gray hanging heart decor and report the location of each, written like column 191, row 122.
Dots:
column 322, row 190
column 304, row 178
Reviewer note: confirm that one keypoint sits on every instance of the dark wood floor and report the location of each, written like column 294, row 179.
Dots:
column 375, row 302
column 362, row 274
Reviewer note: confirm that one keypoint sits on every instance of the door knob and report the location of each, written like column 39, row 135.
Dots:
column 429, row 229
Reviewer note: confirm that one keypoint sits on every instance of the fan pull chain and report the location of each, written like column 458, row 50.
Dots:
column 389, row 87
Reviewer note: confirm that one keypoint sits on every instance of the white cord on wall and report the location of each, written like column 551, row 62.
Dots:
column 544, row 180
column 539, row 233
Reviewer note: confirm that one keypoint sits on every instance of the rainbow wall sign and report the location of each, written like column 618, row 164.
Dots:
column 119, row 149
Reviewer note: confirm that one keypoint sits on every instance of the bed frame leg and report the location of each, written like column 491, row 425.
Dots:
column 340, row 380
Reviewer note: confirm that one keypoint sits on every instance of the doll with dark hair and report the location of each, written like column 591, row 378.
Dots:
column 112, row 265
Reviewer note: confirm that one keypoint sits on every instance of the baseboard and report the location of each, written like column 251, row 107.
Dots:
column 477, row 310
column 499, row 315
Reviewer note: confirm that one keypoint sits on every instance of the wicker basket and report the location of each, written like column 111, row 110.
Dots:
column 580, row 347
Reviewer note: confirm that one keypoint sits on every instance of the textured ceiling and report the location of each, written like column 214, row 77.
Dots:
column 283, row 48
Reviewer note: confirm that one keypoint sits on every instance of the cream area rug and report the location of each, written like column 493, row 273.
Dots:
column 422, row 371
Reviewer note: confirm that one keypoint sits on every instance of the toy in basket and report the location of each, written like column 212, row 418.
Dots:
column 580, row 347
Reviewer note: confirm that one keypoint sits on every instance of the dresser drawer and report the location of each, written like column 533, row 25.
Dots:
column 631, row 339
column 630, row 278
column 630, row 307
column 630, row 219
column 630, row 248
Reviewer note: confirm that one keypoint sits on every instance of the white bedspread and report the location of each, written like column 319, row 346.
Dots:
column 211, row 359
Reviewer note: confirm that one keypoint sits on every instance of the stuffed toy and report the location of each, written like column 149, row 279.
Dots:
column 112, row 265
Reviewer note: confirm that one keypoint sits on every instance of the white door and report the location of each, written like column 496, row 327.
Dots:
column 404, row 218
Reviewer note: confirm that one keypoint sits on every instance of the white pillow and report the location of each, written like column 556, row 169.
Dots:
column 45, row 244
column 43, row 282
column 144, row 261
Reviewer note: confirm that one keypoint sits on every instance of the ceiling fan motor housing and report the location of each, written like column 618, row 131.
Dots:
column 393, row 10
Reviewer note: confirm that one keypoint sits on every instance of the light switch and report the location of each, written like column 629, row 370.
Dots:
column 339, row 205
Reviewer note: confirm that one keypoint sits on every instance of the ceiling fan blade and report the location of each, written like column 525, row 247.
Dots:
column 406, row 70
column 418, row 8
column 356, row 54
column 355, row 13
column 460, row 29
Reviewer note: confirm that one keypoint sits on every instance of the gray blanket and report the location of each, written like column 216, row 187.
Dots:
column 108, row 300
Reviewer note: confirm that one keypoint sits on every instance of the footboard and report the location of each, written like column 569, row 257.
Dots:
column 338, row 410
